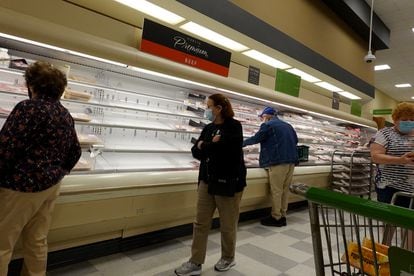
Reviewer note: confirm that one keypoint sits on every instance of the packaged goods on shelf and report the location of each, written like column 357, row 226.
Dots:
column 144, row 123
column 88, row 139
column 83, row 165
column 81, row 117
column 13, row 88
column 76, row 95
column 4, row 111
column 19, row 64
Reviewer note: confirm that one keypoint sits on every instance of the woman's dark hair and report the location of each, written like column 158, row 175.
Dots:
column 221, row 100
column 42, row 78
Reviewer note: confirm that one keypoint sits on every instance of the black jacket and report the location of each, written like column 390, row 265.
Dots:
column 222, row 164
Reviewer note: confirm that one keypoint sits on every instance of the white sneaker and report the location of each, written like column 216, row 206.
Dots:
column 224, row 265
column 188, row 269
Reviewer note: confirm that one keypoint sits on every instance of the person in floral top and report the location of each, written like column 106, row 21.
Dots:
column 38, row 147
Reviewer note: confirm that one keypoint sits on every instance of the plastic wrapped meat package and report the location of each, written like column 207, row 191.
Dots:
column 251, row 160
column 82, row 78
column 89, row 139
column 4, row 112
column 13, row 88
column 249, row 131
column 76, row 95
column 83, row 165
column 302, row 127
column 81, row 117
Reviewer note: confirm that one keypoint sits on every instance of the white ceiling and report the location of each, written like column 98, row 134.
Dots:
column 398, row 15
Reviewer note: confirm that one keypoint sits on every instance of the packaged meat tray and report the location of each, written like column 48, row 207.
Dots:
column 89, row 139
column 80, row 117
column 76, row 95
column 83, row 165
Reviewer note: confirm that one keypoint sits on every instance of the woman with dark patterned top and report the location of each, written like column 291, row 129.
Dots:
column 38, row 147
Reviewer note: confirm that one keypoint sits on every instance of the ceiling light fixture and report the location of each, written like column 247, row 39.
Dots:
column 208, row 34
column 328, row 86
column 61, row 49
column 153, row 10
column 381, row 67
column 303, row 75
column 349, row 95
column 266, row 59
column 403, row 85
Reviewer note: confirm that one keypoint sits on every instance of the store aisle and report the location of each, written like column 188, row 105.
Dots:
column 264, row 251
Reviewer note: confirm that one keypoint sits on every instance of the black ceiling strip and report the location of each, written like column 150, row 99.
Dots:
column 240, row 20
column 356, row 14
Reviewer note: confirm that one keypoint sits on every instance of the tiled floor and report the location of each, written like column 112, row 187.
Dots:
column 260, row 251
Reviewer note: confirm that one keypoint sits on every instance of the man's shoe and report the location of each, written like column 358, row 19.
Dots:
column 188, row 269
column 271, row 221
column 224, row 265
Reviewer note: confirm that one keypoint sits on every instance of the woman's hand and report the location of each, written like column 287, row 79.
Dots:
column 407, row 158
column 199, row 144
column 216, row 138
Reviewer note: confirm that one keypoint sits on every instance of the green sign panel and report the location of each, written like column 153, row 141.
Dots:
column 401, row 261
column 356, row 108
column 287, row 83
column 385, row 111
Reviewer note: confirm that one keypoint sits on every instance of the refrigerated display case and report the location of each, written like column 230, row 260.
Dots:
column 136, row 127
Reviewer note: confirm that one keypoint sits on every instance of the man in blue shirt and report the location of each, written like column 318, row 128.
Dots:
column 278, row 155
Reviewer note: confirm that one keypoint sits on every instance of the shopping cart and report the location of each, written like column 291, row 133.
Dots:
column 353, row 236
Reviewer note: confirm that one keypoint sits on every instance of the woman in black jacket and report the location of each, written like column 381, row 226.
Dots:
column 222, row 178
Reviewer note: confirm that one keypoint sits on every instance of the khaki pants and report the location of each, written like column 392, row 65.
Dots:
column 27, row 215
column 228, row 208
column 280, row 177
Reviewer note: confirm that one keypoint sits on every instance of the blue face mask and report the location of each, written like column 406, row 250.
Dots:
column 209, row 114
column 406, row 126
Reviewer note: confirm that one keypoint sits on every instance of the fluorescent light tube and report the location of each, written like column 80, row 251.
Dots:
column 403, row 85
column 381, row 67
column 61, row 49
column 303, row 75
column 328, row 86
column 213, row 36
column 266, row 59
column 153, row 10
column 153, row 73
column 349, row 95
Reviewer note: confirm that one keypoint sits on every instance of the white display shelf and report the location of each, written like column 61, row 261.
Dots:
column 144, row 124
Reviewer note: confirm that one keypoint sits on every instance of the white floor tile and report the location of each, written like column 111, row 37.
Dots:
column 273, row 244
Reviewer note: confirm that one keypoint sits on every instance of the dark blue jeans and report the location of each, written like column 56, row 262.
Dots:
column 385, row 196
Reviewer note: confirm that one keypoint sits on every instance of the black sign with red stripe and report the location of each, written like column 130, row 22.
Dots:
column 168, row 43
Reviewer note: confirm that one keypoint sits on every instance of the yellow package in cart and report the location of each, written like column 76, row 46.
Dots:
column 379, row 247
column 367, row 260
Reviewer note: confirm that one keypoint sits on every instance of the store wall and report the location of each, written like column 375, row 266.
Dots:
column 381, row 101
column 313, row 24
column 75, row 17
column 241, row 72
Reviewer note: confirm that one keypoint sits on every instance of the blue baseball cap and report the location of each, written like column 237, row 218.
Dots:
column 268, row 110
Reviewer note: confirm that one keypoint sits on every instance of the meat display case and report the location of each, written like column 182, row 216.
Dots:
column 136, row 126
column 130, row 124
